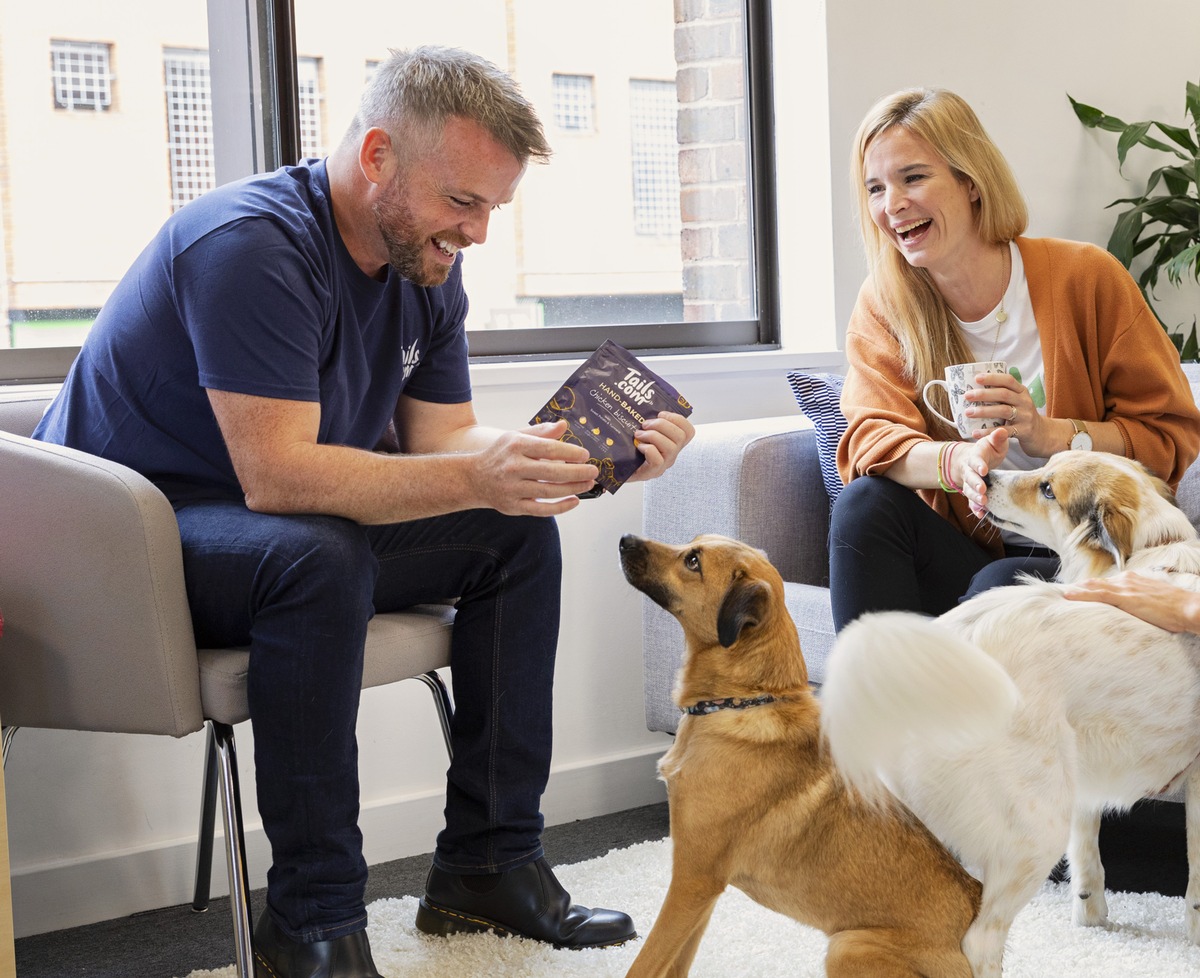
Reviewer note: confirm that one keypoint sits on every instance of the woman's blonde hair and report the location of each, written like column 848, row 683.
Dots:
column 918, row 315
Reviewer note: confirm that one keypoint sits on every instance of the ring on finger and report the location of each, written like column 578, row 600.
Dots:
column 1013, row 413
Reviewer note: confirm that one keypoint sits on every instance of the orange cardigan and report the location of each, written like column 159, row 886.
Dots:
column 1106, row 359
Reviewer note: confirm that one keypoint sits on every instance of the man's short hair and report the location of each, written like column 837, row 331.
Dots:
column 414, row 92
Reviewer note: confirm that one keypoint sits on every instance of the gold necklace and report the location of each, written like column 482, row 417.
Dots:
column 1001, row 315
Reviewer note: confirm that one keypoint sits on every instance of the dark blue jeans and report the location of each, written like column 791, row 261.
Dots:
column 300, row 591
column 888, row 551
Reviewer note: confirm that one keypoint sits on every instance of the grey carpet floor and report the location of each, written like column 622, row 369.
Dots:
column 1143, row 851
column 175, row 941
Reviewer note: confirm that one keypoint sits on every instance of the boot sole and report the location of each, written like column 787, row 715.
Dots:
column 442, row 922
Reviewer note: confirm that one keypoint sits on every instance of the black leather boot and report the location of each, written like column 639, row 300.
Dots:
column 525, row 902
column 277, row 956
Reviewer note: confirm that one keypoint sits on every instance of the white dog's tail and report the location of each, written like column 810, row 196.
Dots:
column 896, row 680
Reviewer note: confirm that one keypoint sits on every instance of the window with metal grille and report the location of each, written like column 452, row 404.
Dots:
column 312, row 133
column 652, row 110
column 574, row 102
column 189, row 124
column 81, row 75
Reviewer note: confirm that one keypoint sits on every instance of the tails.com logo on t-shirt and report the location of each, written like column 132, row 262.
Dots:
column 412, row 359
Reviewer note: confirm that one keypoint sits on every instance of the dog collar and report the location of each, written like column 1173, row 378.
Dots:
column 729, row 703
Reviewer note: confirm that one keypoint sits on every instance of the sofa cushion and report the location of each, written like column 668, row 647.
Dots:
column 819, row 397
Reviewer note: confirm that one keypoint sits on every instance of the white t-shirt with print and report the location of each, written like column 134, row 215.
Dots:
column 1016, row 342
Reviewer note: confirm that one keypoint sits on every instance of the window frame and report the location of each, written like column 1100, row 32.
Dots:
column 252, row 45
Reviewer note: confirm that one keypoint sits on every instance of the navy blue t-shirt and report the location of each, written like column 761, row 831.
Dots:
column 250, row 289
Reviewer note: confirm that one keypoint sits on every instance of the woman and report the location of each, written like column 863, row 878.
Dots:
column 953, row 281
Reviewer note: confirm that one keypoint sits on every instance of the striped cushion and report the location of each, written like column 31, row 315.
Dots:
column 819, row 397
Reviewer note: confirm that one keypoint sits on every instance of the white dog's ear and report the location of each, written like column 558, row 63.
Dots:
column 745, row 603
column 1101, row 542
column 1111, row 530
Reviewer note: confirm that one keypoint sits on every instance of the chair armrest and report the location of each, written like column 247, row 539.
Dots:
column 757, row 481
column 98, row 634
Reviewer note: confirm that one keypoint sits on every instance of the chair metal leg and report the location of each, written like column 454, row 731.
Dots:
column 445, row 709
column 208, row 818
column 221, row 768
column 235, row 848
column 6, row 740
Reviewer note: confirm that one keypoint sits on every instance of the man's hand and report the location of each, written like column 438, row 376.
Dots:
column 529, row 472
column 661, row 440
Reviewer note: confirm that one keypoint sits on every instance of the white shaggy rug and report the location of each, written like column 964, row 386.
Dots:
column 1144, row 940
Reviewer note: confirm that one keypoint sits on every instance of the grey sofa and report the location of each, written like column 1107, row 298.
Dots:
column 760, row 481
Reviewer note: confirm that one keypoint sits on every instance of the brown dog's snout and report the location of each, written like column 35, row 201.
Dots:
column 636, row 566
column 633, row 557
column 633, row 551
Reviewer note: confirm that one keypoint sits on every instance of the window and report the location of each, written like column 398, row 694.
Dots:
column 312, row 141
column 81, row 75
column 189, row 124
column 651, row 224
column 573, row 103
column 655, row 155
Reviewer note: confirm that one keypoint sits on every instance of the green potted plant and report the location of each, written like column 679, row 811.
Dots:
column 1165, row 219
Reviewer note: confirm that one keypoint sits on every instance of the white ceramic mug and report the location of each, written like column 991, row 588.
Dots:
column 960, row 378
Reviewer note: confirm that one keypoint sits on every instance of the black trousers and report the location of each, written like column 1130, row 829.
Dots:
column 888, row 551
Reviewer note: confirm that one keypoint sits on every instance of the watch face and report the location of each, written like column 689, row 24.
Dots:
column 1082, row 441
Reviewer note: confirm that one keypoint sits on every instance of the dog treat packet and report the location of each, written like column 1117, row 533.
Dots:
column 604, row 402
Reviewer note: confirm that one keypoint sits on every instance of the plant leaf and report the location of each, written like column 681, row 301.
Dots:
column 1132, row 135
column 1124, row 233
column 1180, row 135
column 1093, row 118
column 1089, row 115
column 1190, row 350
column 1177, row 178
column 1193, row 103
column 1178, row 266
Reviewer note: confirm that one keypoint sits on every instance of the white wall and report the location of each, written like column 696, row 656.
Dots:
column 103, row 825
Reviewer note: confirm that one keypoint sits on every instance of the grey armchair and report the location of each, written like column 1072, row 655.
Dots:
column 98, row 635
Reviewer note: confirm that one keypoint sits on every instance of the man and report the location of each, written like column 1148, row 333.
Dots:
column 248, row 363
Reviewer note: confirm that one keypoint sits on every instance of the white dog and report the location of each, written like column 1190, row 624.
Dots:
column 1102, row 708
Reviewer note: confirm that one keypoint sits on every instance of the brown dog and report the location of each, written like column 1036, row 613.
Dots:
column 753, row 798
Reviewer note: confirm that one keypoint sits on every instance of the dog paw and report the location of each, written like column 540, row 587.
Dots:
column 1091, row 909
column 1192, row 920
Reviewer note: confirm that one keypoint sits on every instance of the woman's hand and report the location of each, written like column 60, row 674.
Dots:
column 1152, row 599
column 1149, row 598
column 972, row 461
column 1010, row 401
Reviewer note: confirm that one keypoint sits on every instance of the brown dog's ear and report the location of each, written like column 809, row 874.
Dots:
column 745, row 604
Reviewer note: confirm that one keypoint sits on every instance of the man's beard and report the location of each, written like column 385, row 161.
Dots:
column 405, row 244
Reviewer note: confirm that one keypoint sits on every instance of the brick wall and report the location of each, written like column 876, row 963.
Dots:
column 713, row 160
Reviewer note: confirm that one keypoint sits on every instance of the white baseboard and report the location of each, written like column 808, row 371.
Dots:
column 118, row 883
